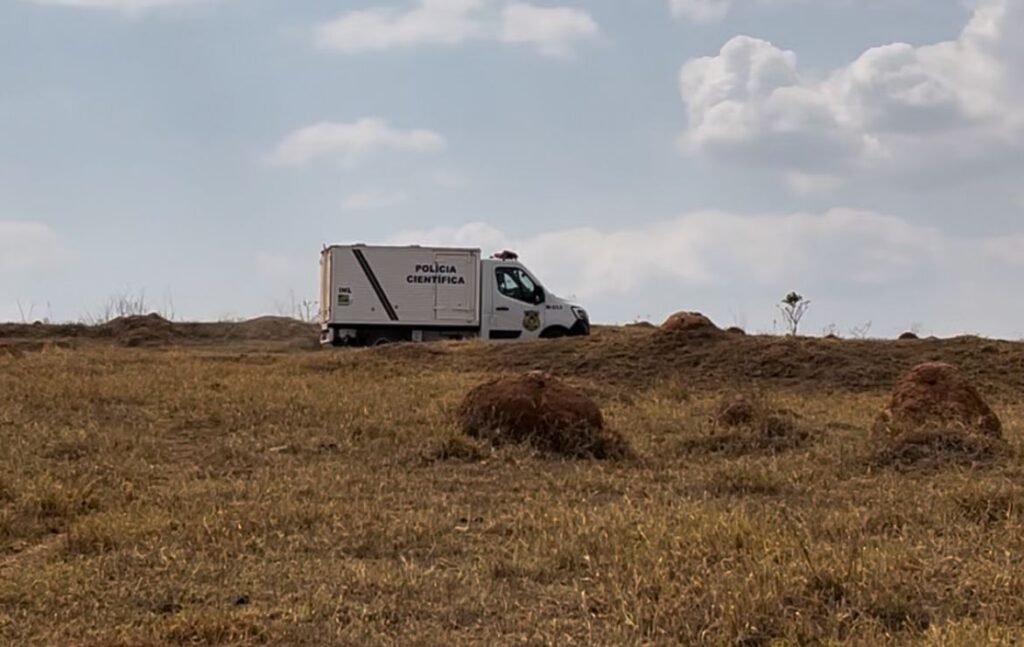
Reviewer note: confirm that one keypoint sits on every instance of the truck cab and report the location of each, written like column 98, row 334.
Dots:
column 515, row 305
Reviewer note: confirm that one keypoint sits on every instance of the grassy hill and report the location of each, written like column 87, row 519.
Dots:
column 201, row 486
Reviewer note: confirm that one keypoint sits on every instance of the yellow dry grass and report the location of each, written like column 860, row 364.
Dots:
column 204, row 497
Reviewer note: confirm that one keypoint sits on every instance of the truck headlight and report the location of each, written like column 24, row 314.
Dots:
column 580, row 313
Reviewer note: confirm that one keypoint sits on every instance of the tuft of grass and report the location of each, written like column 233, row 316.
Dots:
column 459, row 448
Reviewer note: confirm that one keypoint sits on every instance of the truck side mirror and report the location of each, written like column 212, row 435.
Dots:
column 538, row 295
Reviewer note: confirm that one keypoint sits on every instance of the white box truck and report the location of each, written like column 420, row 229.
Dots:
column 375, row 294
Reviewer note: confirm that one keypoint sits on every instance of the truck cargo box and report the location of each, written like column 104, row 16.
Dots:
column 400, row 286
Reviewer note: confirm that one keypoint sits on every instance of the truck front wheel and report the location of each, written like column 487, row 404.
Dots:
column 554, row 332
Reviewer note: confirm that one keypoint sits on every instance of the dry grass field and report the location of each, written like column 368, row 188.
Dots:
column 171, row 489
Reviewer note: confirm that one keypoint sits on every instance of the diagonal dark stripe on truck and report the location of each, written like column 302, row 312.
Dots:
column 363, row 263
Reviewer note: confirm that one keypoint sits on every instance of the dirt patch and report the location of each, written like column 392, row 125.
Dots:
column 542, row 411
column 273, row 328
column 689, row 322
column 745, row 423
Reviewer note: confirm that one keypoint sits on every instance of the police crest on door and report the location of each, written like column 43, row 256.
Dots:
column 531, row 320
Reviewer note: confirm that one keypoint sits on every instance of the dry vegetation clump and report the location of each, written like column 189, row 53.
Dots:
column 736, row 330
column 119, row 643
column 542, row 411
column 745, row 423
column 936, row 414
column 909, row 336
column 458, row 449
column 939, row 446
column 990, row 504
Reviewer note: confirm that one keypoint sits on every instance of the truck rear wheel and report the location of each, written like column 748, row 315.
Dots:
column 381, row 337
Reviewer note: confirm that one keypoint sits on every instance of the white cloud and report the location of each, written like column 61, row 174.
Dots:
column 351, row 142
column 124, row 6
column 896, row 109
column 715, row 248
column 706, row 11
column 431, row 22
column 553, row 31
column 373, row 200
column 857, row 265
column 700, row 10
column 28, row 246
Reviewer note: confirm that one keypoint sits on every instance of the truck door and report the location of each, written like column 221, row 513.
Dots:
column 455, row 298
column 325, row 286
column 517, row 311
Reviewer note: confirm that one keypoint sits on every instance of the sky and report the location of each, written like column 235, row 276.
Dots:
column 642, row 156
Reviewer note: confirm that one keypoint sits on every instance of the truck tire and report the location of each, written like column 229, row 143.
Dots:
column 554, row 332
column 381, row 337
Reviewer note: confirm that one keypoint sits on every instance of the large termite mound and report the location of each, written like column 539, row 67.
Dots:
column 689, row 322
column 542, row 411
column 937, row 394
column 934, row 410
